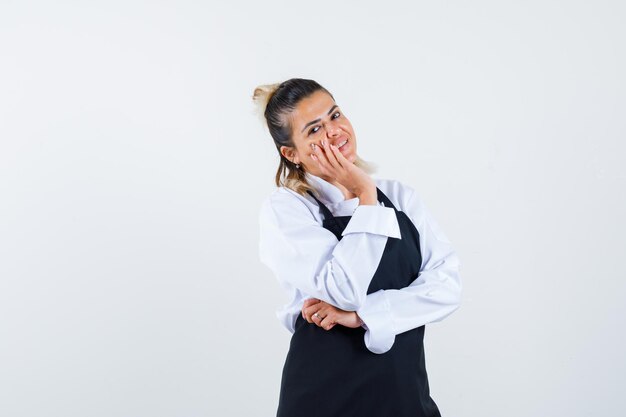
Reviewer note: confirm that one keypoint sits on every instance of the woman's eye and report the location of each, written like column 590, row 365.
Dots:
column 316, row 128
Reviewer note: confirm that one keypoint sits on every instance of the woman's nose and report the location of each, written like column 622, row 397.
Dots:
column 332, row 130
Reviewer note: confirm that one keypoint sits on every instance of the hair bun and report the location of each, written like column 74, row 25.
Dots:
column 261, row 96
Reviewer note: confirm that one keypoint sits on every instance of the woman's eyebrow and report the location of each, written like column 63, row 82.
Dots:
column 317, row 120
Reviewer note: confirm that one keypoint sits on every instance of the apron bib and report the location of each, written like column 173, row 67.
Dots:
column 331, row 373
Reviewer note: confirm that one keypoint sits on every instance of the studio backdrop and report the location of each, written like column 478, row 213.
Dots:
column 133, row 166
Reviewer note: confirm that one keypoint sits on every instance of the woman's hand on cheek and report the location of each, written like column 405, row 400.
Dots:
column 331, row 163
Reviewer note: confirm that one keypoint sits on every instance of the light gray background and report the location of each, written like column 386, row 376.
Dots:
column 132, row 168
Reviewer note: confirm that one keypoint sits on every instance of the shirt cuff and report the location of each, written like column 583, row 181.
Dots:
column 378, row 220
column 376, row 315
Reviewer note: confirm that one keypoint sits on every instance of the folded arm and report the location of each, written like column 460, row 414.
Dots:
column 433, row 295
column 304, row 255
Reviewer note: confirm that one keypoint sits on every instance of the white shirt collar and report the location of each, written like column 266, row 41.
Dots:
column 332, row 196
column 329, row 193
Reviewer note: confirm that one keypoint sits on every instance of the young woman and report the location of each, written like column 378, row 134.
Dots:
column 364, row 262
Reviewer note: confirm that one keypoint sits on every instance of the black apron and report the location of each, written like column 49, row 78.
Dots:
column 330, row 373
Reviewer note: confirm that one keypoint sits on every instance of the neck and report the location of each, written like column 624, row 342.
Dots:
column 347, row 194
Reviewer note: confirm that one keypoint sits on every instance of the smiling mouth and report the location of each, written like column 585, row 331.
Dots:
column 339, row 146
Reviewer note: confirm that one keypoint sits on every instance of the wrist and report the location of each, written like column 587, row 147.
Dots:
column 368, row 198
column 359, row 320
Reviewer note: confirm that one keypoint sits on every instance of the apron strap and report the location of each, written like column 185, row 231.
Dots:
column 329, row 216
column 383, row 198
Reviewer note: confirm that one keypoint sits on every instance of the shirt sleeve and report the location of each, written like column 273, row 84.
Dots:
column 432, row 296
column 305, row 255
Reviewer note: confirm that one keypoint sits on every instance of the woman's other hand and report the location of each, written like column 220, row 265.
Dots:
column 330, row 315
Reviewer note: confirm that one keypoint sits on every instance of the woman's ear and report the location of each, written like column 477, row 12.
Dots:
column 288, row 152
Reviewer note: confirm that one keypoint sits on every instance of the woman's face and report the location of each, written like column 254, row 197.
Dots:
column 315, row 118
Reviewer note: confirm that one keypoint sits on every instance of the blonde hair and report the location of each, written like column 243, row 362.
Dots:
column 274, row 104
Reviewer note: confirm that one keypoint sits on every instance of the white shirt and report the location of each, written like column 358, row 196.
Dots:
column 309, row 261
